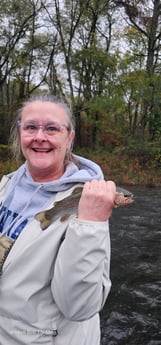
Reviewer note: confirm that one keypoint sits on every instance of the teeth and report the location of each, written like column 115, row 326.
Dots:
column 40, row 150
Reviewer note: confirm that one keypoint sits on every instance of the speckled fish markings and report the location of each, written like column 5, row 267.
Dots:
column 64, row 208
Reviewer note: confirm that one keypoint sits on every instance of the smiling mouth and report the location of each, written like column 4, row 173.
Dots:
column 42, row 150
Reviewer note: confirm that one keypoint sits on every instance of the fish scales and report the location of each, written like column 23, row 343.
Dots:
column 64, row 208
column 69, row 203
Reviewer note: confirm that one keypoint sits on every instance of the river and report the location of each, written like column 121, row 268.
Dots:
column 132, row 313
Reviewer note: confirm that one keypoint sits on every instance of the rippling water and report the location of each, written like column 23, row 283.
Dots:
column 132, row 313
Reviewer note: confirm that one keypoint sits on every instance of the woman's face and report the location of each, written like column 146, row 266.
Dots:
column 45, row 147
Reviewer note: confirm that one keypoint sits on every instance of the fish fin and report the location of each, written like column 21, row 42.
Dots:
column 44, row 223
column 64, row 217
column 77, row 190
column 40, row 216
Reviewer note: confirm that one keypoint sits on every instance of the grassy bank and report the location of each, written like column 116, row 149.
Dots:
column 128, row 167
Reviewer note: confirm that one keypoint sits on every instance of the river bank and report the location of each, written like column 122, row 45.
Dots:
column 126, row 168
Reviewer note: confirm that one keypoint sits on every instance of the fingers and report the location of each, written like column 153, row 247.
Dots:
column 94, row 184
column 102, row 188
column 97, row 200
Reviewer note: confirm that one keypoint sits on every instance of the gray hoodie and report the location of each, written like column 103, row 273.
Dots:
column 51, row 290
column 25, row 197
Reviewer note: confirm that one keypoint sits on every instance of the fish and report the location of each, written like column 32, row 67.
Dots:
column 66, row 207
column 5, row 246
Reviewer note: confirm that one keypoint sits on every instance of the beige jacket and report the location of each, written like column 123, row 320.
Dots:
column 51, row 290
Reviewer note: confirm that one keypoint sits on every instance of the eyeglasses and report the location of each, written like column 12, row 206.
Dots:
column 30, row 128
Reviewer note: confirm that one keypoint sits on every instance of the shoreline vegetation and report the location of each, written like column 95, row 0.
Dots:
column 128, row 166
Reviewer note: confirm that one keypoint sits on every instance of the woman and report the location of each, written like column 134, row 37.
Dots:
column 55, row 281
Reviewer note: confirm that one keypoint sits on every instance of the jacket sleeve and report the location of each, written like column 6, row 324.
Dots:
column 81, row 279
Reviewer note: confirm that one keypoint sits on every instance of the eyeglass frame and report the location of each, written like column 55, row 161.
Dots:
column 43, row 127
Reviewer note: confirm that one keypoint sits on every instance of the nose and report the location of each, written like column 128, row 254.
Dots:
column 40, row 135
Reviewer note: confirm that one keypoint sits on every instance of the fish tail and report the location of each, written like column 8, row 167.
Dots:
column 44, row 223
column 40, row 216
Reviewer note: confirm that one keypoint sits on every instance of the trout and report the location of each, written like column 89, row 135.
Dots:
column 63, row 209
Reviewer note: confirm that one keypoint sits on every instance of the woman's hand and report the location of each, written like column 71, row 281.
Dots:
column 97, row 200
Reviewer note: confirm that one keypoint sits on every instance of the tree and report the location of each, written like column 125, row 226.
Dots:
column 84, row 36
column 146, row 20
column 24, row 50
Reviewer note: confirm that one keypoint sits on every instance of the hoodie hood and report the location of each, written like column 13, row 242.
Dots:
column 81, row 171
column 25, row 197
